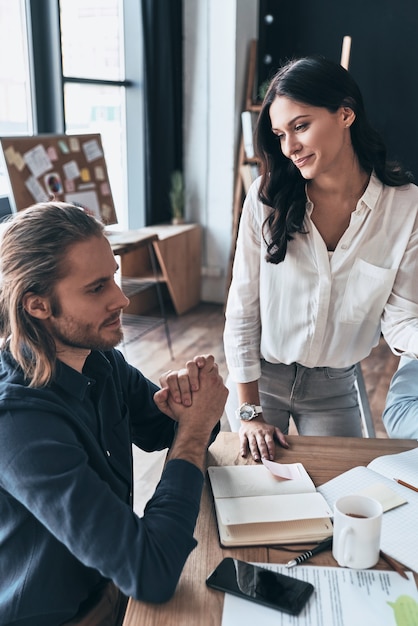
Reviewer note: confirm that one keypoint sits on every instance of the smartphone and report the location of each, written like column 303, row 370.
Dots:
column 261, row 585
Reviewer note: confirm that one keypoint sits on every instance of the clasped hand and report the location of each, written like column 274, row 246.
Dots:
column 197, row 390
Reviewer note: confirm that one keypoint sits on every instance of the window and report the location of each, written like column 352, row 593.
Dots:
column 92, row 42
column 93, row 50
column 15, row 89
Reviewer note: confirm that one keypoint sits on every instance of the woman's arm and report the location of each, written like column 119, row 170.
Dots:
column 256, row 436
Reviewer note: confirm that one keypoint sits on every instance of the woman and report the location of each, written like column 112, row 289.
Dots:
column 326, row 258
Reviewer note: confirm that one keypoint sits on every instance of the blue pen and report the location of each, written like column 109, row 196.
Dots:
column 324, row 545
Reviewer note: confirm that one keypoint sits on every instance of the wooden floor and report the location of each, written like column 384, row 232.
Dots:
column 200, row 331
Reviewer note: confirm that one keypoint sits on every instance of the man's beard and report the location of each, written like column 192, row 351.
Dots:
column 69, row 332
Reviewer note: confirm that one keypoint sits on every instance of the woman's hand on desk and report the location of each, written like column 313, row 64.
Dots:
column 259, row 438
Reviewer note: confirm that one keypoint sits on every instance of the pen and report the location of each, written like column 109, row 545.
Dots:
column 324, row 545
column 402, row 482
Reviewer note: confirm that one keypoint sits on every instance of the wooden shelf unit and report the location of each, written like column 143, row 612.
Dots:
column 243, row 160
column 177, row 250
column 140, row 245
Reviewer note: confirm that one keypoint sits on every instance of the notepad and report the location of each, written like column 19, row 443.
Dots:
column 399, row 524
column 253, row 507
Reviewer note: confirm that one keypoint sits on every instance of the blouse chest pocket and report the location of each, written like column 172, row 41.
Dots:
column 367, row 291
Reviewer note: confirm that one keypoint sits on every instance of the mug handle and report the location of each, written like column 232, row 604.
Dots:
column 343, row 545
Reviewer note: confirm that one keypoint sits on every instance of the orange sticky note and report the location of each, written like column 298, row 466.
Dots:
column 85, row 175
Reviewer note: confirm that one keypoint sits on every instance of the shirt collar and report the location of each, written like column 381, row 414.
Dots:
column 369, row 197
column 96, row 368
column 373, row 191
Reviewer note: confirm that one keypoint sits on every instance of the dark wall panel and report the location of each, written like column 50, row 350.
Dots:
column 383, row 60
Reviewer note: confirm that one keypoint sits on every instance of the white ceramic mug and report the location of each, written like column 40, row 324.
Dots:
column 357, row 530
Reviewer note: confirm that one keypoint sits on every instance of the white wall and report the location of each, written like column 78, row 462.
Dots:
column 216, row 37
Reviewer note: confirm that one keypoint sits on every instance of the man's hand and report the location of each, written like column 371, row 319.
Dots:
column 196, row 421
column 182, row 383
column 259, row 438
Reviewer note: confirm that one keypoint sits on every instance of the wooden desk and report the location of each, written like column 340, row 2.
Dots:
column 193, row 603
column 128, row 240
column 178, row 251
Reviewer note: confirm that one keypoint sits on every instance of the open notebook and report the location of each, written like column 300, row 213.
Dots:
column 399, row 525
column 255, row 508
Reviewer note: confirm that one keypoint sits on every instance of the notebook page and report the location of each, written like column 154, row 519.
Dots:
column 261, row 509
column 296, row 531
column 403, row 465
column 231, row 481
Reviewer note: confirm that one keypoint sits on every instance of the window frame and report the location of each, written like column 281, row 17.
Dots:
column 48, row 92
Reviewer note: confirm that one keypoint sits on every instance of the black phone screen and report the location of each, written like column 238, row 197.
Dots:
column 261, row 585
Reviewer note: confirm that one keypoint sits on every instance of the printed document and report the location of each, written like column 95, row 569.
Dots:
column 342, row 597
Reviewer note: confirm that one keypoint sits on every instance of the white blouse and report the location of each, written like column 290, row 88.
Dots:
column 322, row 311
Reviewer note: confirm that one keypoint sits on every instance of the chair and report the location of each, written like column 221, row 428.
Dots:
column 365, row 413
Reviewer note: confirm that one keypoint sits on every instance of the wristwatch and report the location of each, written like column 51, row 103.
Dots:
column 247, row 412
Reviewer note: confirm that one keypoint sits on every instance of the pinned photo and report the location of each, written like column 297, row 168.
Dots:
column 53, row 183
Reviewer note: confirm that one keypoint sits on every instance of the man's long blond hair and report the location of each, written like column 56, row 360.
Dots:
column 33, row 250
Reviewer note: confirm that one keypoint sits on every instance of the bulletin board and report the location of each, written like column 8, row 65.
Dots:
column 65, row 168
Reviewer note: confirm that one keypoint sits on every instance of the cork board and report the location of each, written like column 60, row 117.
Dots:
column 65, row 168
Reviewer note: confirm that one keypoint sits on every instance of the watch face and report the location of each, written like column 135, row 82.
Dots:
column 246, row 412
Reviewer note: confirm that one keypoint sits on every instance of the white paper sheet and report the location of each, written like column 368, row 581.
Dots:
column 36, row 190
column 92, row 150
column 86, row 199
column 342, row 597
column 37, row 160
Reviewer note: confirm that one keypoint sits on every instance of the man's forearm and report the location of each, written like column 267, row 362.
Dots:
column 190, row 446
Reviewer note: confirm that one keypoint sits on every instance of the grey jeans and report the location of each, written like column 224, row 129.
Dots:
column 321, row 400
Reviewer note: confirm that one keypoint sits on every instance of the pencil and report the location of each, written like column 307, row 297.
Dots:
column 402, row 482
column 394, row 564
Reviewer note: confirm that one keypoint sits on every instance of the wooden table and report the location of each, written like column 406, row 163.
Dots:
column 193, row 603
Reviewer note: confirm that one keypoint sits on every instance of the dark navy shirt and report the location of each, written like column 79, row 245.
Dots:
column 66, row 519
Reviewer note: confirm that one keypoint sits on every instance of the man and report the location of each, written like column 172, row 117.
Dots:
column 400, row 416
column 70, row 408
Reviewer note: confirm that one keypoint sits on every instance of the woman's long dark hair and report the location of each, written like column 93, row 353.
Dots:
column 322, row 83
